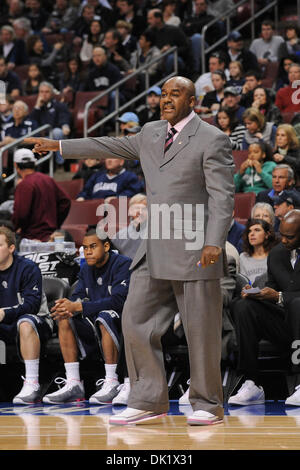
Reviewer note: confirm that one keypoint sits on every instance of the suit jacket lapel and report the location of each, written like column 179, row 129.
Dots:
column 181, row 140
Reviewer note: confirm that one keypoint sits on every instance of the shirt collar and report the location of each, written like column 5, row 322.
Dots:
column 181, row 124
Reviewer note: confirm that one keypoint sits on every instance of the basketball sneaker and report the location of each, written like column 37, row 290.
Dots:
column 72, row 391
column 248, row 394
column 184, row 399
column 203, row 418
column 134, row 416
column 123, row 395
column 29, row 394
column 107, row 392
column 294, row 399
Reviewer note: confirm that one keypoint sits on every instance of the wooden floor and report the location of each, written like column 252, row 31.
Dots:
column 60, row 430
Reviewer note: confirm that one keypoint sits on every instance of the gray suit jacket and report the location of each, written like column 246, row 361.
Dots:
column 191, row 186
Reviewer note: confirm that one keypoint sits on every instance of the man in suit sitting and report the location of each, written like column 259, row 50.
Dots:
column 272, row 314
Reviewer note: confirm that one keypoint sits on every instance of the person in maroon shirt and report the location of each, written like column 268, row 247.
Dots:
column 287, row 98
column 40, row 206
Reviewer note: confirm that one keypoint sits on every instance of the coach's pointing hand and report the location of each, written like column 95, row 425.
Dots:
column 42, row 145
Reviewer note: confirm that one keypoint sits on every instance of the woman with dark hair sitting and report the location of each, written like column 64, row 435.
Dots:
column 94, row 37
column 213, row 99
column 282, row 78
column 73, row 78
column 227, row 121
column 34, row 78
column 259, row 238
column 291, row 45
column 265, row 104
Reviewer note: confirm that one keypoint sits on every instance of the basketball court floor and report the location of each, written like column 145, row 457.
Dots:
column 272, row 426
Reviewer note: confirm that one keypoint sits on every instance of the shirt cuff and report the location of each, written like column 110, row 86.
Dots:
column 60, row 149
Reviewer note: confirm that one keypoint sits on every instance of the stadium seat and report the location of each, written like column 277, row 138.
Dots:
column 243, row 203
column 30, row 100
column 96, row 112
column 22, row 71
column 71, row 187
column 239, row 156
column 83, row 212
column 54, row 288
column 287, row 117
column 77, row 231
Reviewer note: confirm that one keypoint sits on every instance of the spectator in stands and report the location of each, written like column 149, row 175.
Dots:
column 227, row 121
column 127, row 118
column 45, row 60
column 252, row 81
column 259, row 238
column 40, row 206
column 169, row 16
column 37, row 15
column 22, row 28
column 204, row 84
column 6, row 115
column 12, row 82
column 102, row 75
column 232, row 101
column 12, row 49
column 272, row 314
column 94, row 38
column 103, row 11
column 236, row 51
column 235, row 234
column 266, row 48
column 285, row 202
column 287, row 98
column 257, row 129
column 114, row 182
column 129, row 42
column 48, row 110
column 73, row 78
column 21, row 124
column 146, row 52
column 95, row 307
column 264, row 211
column 265, row 104
column 129, row 12
column 282, row 79
column 151, row 112
column 24, row 315
column 15, row 11
column 35, row 78
column 287, row 147
column 255, row 173
column 237, row 79
column 116, row 52
column 213, row 99
column 61, row 18
column 128, row 239
column 88, row 168
column 192, row 26
column 282, row 178
column 81, row 26
column 291, row 44
column 167, row 36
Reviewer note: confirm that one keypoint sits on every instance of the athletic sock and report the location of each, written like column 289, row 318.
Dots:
column 72, row 371
column 32, row 369
column 110, row 371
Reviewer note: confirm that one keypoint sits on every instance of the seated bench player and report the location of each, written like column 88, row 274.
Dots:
column 90, row 322
column 23, row 313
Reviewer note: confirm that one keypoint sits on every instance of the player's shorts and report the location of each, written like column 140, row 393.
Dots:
column 42, row 325
column 88, row 335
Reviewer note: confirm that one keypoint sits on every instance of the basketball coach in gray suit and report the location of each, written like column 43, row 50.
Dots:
column 188, row 168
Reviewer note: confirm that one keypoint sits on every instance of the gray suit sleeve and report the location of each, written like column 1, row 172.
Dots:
column 102, row 147
column 218, row 167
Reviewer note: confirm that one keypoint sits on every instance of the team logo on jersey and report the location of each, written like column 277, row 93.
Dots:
column 4, row 284
column 99, row 281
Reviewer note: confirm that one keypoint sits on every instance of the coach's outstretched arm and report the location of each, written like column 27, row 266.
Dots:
column 42, row 145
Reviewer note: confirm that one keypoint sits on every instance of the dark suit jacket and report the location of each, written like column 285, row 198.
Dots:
column 281, row 275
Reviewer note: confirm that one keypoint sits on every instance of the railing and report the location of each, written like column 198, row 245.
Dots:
column 116, row 87
column 227, row 14
column 16, row 142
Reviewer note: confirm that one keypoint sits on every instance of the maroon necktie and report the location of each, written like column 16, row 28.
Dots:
column 169, row 139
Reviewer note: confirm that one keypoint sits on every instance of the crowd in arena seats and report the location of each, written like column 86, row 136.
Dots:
column 51, row 53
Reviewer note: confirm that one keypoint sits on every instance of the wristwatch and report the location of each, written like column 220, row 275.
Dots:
column 280, row 298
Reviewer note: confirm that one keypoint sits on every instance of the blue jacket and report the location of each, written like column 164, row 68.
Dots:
column 54, row 113
column 101, row 186
column 104, row 288
column 20, row 289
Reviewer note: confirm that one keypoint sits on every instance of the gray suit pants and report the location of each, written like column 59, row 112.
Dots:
column 149, row 309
